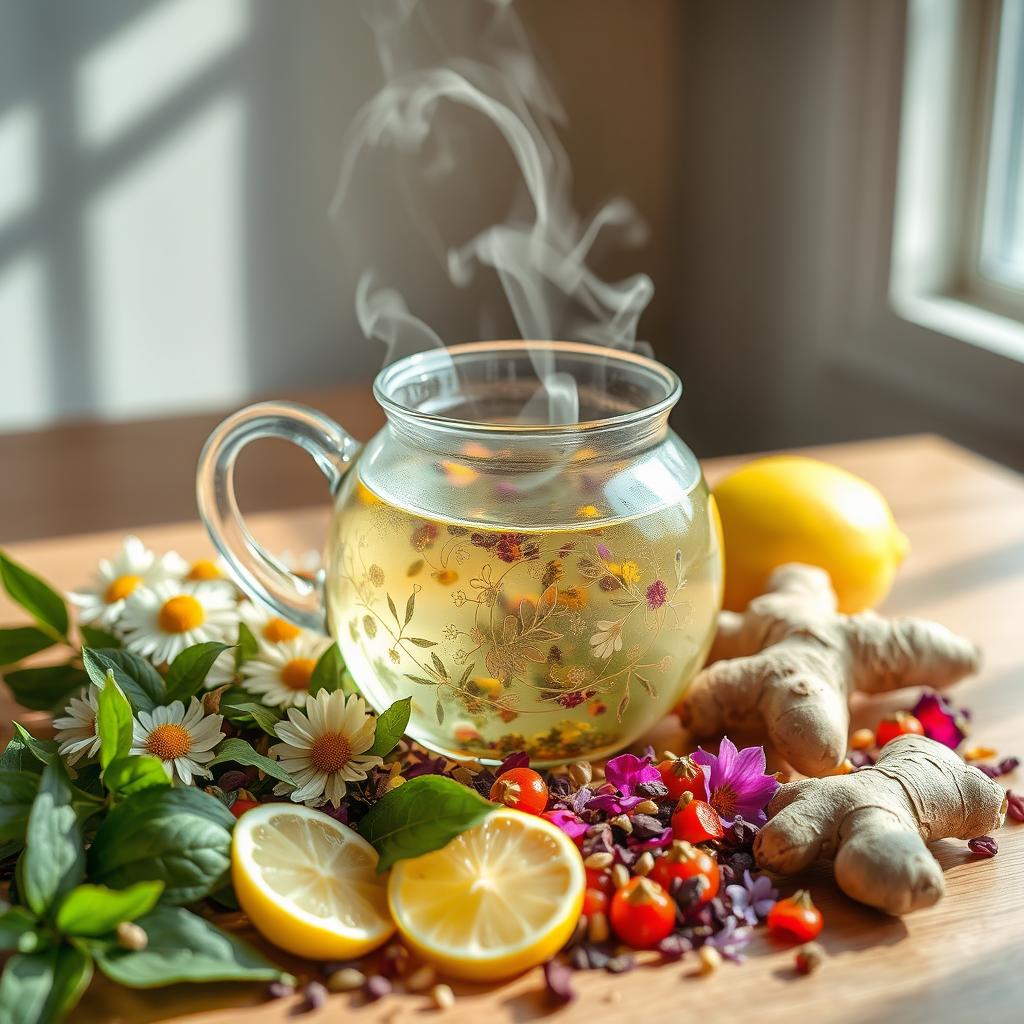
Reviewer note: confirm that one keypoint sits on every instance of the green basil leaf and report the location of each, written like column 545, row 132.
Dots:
column 18, row 930
column 127, row 775
column 183, row 947
column 179, row 835
column 17, row 791
column 46, row 688
column 240, row 752
column 327, row 674
column 44, row 751
column 22, row 641
column 95, row 910
column 39, row 599
column 391, row 726
column 71, row 978
column 43, row 988
column 189, row 669
column 113, row 722
column 54, row 860
column 248, row 646
column 237, row 706
column 93, row 637
column 423, row 815
column 139, row 681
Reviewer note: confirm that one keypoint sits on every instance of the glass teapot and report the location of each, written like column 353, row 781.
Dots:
column 526, row 549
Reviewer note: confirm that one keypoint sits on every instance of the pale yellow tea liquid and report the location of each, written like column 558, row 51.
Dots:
column 562, row 642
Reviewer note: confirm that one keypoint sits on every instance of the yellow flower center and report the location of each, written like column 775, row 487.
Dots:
column 120, row 588
column 169, row 741
column 295, row 674
column 276, row 630
column 330, row 752
column 204, row 569
column 180, row 614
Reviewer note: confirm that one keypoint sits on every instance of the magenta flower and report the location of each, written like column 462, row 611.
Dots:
column 657, row 594
column 568, row 822
column 736, row 782
column 623, row 774
column 941, row 720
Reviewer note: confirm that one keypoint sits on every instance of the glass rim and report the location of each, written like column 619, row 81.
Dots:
column 400, row 371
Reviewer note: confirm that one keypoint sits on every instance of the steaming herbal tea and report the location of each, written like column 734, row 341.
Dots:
column 557, row 641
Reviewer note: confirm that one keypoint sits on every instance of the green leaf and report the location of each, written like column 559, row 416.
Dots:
column 46, row 688
column 17, row 791
column 391, row 725
column 113, row 722
column 189, row 669
column 423, row 815
column 43, row 988
column 179, row 835
column 139, row 681
column 127, row 775
column 93, row 637
column 327, row 674
column 54, row 861
column 39, row 599
column 248, row 646
column 44, row 751
column 94, row 910
column 241, row 752
column 18, row 930
column 22, row 641
column 17, row 756
column 183, row 947
column 266, row 718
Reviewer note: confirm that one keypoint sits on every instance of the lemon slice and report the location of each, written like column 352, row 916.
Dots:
column 498, row 899
column 308, row 883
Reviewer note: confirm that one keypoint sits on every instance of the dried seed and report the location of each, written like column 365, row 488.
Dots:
column 597, row 927
column 131, row 936
column 347, row 979
column 979, row 753
column 460, row 774
column 394, row 782
column 421, row 979
column 644, row 864
column 684, row 800
column 646, row 807
column 809, row 957
column 599, row 860
column 377, row 987
column 862, row 739
column 620, row 875
column 710, row 959
column 623, row 822
column 581, row 773
column 983, row 846
column 443, row 997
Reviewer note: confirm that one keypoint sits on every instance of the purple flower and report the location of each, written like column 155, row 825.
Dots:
column 942, row 721
column 662, row 841
column 752, row 900
column 736, row 782
column 568, row 822
column 624, row 773
column 730, row 939
column 656, row 594
column 558, row 981
column 604, row 552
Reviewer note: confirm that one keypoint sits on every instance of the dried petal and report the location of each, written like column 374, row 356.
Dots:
column 558, row 980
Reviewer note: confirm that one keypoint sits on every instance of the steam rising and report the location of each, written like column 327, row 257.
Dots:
column 540, row 250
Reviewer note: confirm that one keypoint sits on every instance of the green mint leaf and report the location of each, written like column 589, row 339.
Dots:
column 43, row 751
column 423, row 815
column 328, row 671
column 54, row 860
column 248, row 646
column 22, row 641
column 139, row 681
column 237, row 706
column 127, row 775
column 18, row 930
column 93, row 637
column 17, row 792
column 240, row 752
column 39, row 599
column 47, row 688
column 113, row 722
column 183, row 947
column 391, row 726
column 179, row 835
column 92, row 911
column 189, row 669
column 43, row 988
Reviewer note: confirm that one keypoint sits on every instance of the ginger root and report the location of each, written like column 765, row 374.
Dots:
column 876, row 821
column 790, row 662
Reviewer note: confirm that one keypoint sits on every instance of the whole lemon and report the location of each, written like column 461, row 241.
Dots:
column 789, row 508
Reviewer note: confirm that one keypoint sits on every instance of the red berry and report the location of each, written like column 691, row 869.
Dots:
column 898, row 724
column 522, row 789
column 594, row 901
column 796, row 918
column 684, row 861
column 642, row 913
column 697, row 822
column 601, row 879
column 683, row 775
column 239, row 807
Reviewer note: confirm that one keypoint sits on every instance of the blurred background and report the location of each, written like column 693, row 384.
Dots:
column 833, row 189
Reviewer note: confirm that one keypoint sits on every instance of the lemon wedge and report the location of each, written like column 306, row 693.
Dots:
column 308, row 883
column 497, row 900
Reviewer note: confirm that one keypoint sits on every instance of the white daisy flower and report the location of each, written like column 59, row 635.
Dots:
column 206, row 570
column 222, row 671
column 281, row 672
column 119, row 577
column 76, row 729
column 323, row 748
column 160, row 622
column 183, row 740
column 265, row 625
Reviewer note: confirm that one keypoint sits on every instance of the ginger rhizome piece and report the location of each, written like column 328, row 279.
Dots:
column 875, row 823
column 790, row 662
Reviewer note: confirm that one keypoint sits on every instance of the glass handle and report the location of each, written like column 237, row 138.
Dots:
column 263, row 577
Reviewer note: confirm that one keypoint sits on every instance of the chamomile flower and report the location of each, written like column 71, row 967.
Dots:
column 117, row 578
column 265, row 625
column 324, row 748
column 76, row 728
column 160, row 622
column 280, row 673
column 182, row 739
column 206, row 570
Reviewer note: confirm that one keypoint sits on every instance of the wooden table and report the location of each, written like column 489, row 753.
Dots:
column 961, row 960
